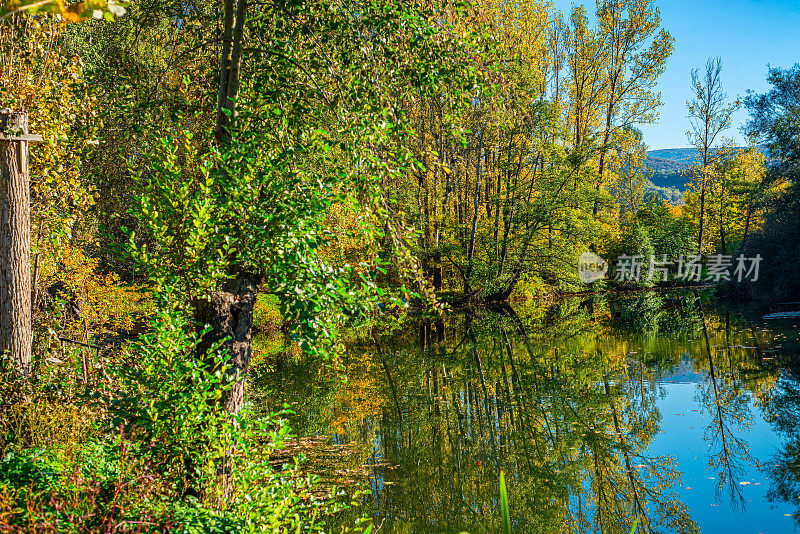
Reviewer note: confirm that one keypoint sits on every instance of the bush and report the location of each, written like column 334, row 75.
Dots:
column 160, row 454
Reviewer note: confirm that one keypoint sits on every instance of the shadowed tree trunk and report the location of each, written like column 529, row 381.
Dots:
column 230, row 64
column 471, row 248
column 229, row 313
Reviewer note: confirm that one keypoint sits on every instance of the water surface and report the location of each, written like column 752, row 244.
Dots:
column 683, row 415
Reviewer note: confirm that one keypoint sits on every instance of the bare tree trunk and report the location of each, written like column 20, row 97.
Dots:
column 703, row 193
column 702, row 213
column 229, row 313
column 709, row 115
column 16, row 335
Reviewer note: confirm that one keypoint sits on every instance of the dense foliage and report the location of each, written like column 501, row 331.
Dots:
column 307, row 167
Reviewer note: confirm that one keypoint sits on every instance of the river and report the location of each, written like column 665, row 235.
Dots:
column 663, row 410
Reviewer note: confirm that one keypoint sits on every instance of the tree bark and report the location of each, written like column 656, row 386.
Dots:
column 236, row 58
column 16, row 335
column 220, row 131
column 229, row 313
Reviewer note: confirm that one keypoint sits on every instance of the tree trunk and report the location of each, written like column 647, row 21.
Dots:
column 471, row 248
column 702, row 214
column 437, row 271
column 229, row 313
column 746, row 226
column 220, row 131
column 722, row 244
column 604, row 148
column 16, row 335
column 230, row 66
column 236, row 56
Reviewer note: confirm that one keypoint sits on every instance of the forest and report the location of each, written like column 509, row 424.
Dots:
column 208, row 206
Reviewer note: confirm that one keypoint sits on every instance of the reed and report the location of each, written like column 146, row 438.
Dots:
column 504, row 504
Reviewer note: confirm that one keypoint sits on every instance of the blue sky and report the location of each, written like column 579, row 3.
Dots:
column 746, row 34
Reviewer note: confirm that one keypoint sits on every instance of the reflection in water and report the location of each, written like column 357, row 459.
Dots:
column 722, row 395
column 567, row 399
column 781, row 404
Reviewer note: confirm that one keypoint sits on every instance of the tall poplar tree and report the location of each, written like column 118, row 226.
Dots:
column 637, row 50
column 709, row 114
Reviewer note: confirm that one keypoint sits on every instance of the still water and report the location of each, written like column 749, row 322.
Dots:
column 661, row 410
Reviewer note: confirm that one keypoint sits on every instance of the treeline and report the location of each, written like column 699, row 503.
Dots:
column 519, row 148
column 543, row 160
column 517, row 126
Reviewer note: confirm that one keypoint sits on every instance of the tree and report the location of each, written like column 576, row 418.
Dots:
column 316, row 122
column 500, row 195
column 585, row 59
column 709, row 115
column 636, row 57
column 16, row 335
column 738, row 196
column 154, row 69
column 228, row 310
column 670, row 233
column 629, row 175
column 38, row 75
column 774, row 121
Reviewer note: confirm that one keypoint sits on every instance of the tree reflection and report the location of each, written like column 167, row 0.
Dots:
column 564, row 399
column 548, row 400
column 729, row 408
column 781, row 406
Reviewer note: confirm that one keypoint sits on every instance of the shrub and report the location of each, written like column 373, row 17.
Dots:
column 159, row 453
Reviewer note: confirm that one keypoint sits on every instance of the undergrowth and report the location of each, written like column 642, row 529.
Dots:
column 144, row 446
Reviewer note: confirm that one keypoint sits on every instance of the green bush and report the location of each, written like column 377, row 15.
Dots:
column 164, row 456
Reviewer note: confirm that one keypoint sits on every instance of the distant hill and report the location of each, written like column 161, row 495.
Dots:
column 668, row 163
column 669, row 166
column 684, row 156
column 664, row 165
